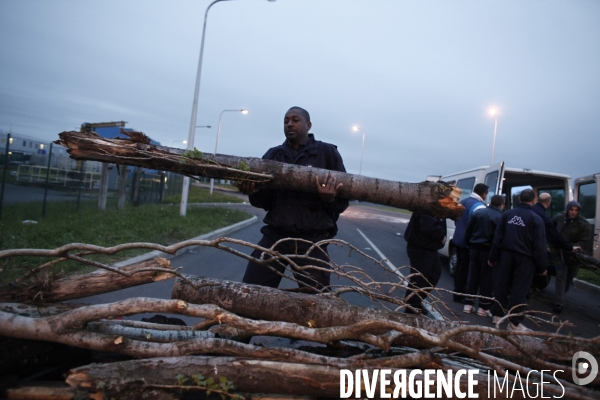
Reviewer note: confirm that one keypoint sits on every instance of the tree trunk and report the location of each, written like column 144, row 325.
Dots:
column 249, row 376
column 264, row 303
column 77, row 286
column 103, row 189
column 437, row 199
column 122, row 187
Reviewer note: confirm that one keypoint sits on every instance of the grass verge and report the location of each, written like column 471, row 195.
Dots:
column 202, row 195
column 63, row 224
column 588, row 276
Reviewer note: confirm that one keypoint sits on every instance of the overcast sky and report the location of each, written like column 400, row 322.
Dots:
column 419, row 77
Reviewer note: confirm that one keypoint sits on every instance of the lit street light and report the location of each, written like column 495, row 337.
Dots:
column 356, row 129
column 190, row 141
column 243, row 111
column 494, row 112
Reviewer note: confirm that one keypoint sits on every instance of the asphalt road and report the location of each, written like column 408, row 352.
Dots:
column 377, row 233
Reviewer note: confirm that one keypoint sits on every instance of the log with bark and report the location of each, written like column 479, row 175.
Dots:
column 264, row 303
column 434, row 198
column 76, row 286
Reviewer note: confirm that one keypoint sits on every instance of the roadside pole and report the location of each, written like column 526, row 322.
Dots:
column 4, row 172
column 47, row 180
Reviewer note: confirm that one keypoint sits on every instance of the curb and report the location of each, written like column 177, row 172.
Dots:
column 588, row 287
column 207, row 236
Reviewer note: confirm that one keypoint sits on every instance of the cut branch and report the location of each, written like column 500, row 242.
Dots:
column 97, row 282
column 438, row 199
column 263, row 303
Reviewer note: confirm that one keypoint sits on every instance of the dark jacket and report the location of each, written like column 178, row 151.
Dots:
column 481, row 227
column 553, row 236
column 577, row 230
column 426, row 232
column 292, row 213
column 522, row 231
column 470, row 204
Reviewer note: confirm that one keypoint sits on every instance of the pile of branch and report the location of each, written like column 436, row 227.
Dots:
column 213, row 354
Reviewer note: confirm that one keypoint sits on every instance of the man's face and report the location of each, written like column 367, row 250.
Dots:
column 295, row 126
column 573, row 212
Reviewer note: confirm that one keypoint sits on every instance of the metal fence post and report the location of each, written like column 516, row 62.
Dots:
column 4, row 172
column 47, row 180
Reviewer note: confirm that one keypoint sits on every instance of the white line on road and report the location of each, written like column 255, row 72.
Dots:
column 389, row 264
column 432, row 312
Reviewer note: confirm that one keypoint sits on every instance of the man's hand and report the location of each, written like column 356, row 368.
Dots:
column 246, row 187
column 490, row 263
column 327, row 189
column 576, row 248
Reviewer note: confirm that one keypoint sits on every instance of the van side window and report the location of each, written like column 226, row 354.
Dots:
column 491, row 180
column 586, row 195
column 466, row 185
column 558, row 201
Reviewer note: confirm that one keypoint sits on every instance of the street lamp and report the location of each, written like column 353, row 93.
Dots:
column 190, row 142
column 243, row 111
column 356, row 129
column 494, row 112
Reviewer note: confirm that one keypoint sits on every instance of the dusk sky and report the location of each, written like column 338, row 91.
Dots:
column 418, row 77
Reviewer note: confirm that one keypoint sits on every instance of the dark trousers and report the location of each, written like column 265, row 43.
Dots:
column 564, row 278
column 481, row 278
column 258, row 274
column 461, row 272
column 512, row 277
column 427, row 262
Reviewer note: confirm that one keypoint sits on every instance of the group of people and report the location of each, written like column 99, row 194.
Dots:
column 498, row 252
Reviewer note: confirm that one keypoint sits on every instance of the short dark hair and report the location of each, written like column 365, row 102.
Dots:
column 497, row 200
column 527, row 196
column 481, row 189
column 302, row 111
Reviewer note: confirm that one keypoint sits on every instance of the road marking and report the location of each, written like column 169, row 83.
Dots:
column 389, row 264
column 432, row 312
column 353, row 213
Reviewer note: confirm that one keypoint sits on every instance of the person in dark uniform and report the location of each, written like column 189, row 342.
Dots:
column 476, row 201
column 294, row 214
column 518, row 253
column 479, row 236
column 553, row 237
column 424, row 236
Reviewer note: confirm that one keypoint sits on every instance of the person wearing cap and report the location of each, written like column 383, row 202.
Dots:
column 311, row 217
column 578, row 231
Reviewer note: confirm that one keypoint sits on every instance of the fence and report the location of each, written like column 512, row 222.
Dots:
column 59, row 178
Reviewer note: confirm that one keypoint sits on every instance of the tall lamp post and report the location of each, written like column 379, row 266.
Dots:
column 494, row 112
column 243, row 111
column 362, row 151
column 190, row 142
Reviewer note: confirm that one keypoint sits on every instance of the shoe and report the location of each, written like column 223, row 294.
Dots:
column 483, row 313
column 495, row 319
column 468, row 309
column 557, row 308
column 518, row 328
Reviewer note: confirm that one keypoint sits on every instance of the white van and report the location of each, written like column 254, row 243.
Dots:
column 587, row 193
column 508, row 182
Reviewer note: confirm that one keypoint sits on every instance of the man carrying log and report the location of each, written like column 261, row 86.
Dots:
column 294, row 214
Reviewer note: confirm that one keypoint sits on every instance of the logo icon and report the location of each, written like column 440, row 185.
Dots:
column 516, row 220
column 584, row 363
